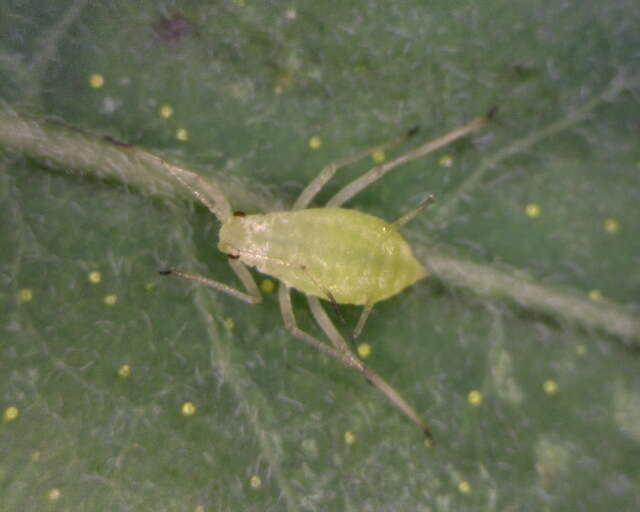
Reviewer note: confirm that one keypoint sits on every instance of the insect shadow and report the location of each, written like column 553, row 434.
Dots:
column 332, row 253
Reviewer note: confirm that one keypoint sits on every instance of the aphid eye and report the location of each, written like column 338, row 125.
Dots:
column 239, row 214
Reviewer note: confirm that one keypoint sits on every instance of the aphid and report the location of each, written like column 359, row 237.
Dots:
column 331, row 253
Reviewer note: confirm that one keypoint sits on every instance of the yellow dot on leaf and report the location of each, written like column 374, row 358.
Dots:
column 188, row 409
column 10, row 413
column 94, row 277
column 267, row 286
column 182, row 134
column 96, row 80
column 111, row 299
column 474, row 398
column 25, row 295
column 378, row 156
column 166, row 111
column 532, row 210
column 595, row 295
column 611, row 226
column 464, row 487
column 446, row 161
column 54, row 494
column 349, row 437
column 364, row 350
column 315, row 142
column 550, row 387
column 124, row 371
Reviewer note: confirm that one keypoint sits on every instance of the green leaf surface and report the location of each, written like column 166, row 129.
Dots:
column 534, row 243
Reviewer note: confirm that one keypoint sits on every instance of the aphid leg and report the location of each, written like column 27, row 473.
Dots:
column 377, row 172
column 312, row 189
column 410, row 215
column 289, row 319
column 329, row 328
column 343, row 354
column 335, row 305
column 364, row 316
column 349, row 359
column 252, row 297
column 247, row 280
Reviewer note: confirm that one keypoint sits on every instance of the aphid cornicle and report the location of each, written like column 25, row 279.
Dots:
column 331, row 253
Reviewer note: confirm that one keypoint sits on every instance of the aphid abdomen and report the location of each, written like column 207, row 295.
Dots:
column 332, row 253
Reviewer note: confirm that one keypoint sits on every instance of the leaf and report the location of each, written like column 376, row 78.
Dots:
column 532, row 402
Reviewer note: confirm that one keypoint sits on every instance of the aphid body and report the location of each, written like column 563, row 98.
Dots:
column 335, row 254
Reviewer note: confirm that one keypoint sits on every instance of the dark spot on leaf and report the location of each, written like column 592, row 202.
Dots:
column 174, row 28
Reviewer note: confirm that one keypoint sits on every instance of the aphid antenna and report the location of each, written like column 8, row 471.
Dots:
column 377, row 172
column 200, row 188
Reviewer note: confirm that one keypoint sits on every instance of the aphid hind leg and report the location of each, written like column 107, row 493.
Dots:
column 328, row 326
column 312, row 189
column 349, row 359
column 251, row 297
column 377, row 172
column 364, row 316
column 341, row 352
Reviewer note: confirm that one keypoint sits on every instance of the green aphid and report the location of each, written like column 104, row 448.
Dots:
column 336, row 254
column 332, row 253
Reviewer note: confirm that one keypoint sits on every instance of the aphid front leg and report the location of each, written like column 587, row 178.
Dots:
column 252, row 296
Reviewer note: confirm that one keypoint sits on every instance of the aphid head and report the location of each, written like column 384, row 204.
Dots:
column 233, row 235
